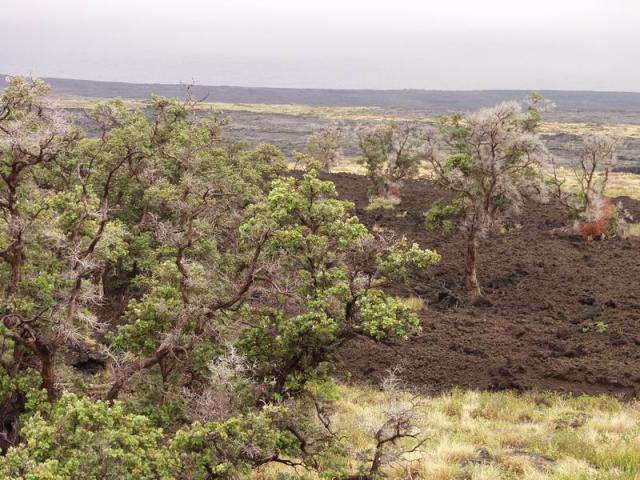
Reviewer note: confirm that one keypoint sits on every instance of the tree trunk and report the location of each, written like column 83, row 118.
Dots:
column 47, row 371
column 377, row 461
column 16, row 272
column 471, row 267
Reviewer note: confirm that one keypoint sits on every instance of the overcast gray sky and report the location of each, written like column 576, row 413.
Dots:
column 432, row 44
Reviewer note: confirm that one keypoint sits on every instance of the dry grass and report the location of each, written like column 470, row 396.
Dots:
column 621, row 129
column 350, row 165
column 330, row 113
column 414, row 303
column 632, row 230
column 624, row 184
column 620, row 184
column 482, row 435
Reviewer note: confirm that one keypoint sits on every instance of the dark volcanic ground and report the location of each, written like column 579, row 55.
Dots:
column 546, row 292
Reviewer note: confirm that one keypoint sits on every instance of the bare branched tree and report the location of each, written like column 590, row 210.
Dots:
column 399, row 433
column 598, row 157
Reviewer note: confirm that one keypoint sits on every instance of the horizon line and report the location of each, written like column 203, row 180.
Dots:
column 203, row 85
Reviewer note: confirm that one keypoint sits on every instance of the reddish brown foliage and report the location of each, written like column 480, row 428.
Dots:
column 595, row 229
column 393, row 190
column 600, row 227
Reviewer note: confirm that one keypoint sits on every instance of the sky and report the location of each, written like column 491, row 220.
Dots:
column 378, row 44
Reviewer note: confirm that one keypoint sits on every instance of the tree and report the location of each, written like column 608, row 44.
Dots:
column 33, row 138
column 196, row 191
column 67, row 230
column 391, row 153
column 326, row 283
column 598, row 157
column 145, row 207
column 536, row 105
column 490, row 164
column 325, row 147
column 399, row 433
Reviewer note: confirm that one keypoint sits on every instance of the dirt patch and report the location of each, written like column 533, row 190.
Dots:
column 562, row 313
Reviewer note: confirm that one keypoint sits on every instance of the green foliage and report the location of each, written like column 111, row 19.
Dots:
column 381, row 203
column 24, row 384
column 262, row 165
column 325, row 147
column 401, row 257
column 490, row 162
column 315, row 237
column 385, row 316
column 537, row 104
column 204, row 291
column 598, row 327
column 443, row 216
column 455, row 128
column 147, row 319
column 231, row 448
column 85, row 439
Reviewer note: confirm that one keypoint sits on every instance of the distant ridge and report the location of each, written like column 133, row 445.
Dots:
column 438, row 100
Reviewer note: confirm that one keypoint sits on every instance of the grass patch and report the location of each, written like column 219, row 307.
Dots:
column 382, row 203
column 414, row 303
column 329, row 113
column 503, row 435
column 620, row 184
column 621, row 129
column 632, row 230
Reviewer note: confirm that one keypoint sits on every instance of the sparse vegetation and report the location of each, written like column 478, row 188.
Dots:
column 367, row 114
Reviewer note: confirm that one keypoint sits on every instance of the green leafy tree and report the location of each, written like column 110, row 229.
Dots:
column 196, row 190
column 326, row 282
column 235, row 446
column 63, row 233
column 208, row 292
